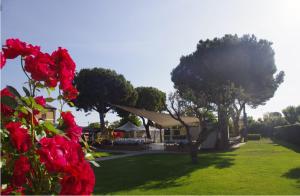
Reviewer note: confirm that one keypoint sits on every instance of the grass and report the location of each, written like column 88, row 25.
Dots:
column 105, row 154
column 258, row 167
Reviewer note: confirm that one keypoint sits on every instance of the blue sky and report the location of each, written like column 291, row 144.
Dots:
column 143, row 40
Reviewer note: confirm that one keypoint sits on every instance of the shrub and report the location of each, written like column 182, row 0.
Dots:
column 288, row 133
column 253, row 137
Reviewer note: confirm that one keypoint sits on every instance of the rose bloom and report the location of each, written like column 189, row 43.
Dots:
column 19, row 136
column 40, row 100
column 73, row 130
column 58, row 152
column 68, row 119
column 74, row 133
column 79, row 180
column 21, row 168
column 15, row 47
column 70, row 93
column 41, row 66
column 66, row 67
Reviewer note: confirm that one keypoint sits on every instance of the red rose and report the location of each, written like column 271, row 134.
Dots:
column 10, row 189
column 6, row 110
column 19, row 136
column 15, row 47
column 74, row 133
column 66, row 67
column 68, row 119
column 77, row 182
column 72, row 129
column 41, row 67
column 40, row 100
column 57, row 153
column 51, row 82
column 2, row 60
column 21, row 168
column 70, row 93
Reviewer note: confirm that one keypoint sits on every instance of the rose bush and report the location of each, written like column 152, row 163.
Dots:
column 36, row 156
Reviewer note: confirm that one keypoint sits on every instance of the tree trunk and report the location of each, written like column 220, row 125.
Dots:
column 245, row 131
column 102, row 123
column 236, row 126
column 223, row 127
column 146, row 125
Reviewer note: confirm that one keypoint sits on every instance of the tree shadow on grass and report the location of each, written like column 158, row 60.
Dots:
column 149, row 172
column 293, row 174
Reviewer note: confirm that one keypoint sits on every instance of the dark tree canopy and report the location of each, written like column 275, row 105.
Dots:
column 99, row 88
column 229, row 68
column 245, row 62
column 150, row 98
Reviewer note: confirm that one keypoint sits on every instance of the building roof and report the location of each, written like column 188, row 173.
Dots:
column 161, row 119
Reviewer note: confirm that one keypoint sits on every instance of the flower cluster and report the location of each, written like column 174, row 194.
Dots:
column 39, row 157
column 43, row 67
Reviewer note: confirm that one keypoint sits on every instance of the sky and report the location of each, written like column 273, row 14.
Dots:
column 144, row 40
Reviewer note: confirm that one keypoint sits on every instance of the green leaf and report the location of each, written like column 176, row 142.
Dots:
column 26, row 91
column 23, row 110
column 48, row 91
column 13, row 91
column 71, row 104
column 9, row 101
column 49, row 99
column 49, row 126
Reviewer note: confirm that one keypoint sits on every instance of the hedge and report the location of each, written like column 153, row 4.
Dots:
column 253, row 137
column 288, row 133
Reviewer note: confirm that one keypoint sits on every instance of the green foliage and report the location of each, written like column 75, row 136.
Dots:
column 94, row 125
column 150, row 98
column 292, row 114
column 222, row 66
column 274, row 119
column 99, row 88
column 288, row 133
column 131, row 118
column 253, row 137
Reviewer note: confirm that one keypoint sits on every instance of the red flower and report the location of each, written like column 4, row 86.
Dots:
column 15, row 47
column 57, row 153
column 70, row 93
column 40, row 100
column 66, row 67
column 6, row 110
column 19, row 136
column 41, row 67
column 74, row 133
column 73, row 130
column 2, row 60
column 21, row 168
column 77, row 182
column 68, row 119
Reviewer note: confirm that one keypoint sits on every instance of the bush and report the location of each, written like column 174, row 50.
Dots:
column 253, row 137
column 288, row 133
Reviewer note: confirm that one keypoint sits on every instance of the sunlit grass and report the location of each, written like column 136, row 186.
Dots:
column 259, row 167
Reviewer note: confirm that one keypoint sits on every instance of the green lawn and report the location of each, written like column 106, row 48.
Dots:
column 105, row 154
column 259, row 167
